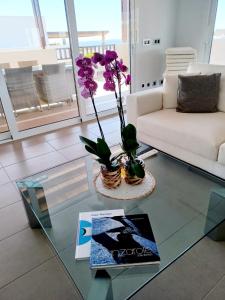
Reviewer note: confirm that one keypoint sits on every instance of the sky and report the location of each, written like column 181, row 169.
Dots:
column 220, row 18
column 91, row 15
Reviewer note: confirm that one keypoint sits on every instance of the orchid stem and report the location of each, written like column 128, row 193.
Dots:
column 120, row 106
column 96, row 114
column 120, row 115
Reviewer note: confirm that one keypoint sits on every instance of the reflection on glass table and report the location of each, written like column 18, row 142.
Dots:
column 186, row 205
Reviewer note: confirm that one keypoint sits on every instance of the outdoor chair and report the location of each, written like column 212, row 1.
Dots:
column 21, row 88
column 52, row 84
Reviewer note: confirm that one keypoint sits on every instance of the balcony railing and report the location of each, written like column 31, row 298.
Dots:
column 64, row 53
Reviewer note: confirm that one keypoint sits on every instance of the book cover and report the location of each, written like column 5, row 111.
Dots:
column 122, row 241
column 83, row 241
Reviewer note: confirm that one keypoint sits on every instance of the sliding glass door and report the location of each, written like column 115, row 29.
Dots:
column 103, row 25
column 39, row 42
column 3, row 122
column 35, row 59
column 4, row 129
column 218, row 43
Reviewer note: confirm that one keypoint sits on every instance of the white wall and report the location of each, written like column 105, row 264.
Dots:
column 195, row 25
column 18, row 32
column 178, row 23
column 218, row 51
column 42, row 56
column 152, row 19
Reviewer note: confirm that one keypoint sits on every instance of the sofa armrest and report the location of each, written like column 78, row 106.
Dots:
column 221, row 156
column 142, row 103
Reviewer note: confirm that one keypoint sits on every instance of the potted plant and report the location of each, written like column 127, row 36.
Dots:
column 110, row 168
column 115, row 76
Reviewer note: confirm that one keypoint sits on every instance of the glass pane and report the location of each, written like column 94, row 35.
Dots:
column 218, row 43
column 106, row 29
column 3, row 122
column 38, row 67
column 180, row 214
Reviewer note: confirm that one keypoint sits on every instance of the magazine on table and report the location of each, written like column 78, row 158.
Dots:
column 83, row 241
column 120, row 241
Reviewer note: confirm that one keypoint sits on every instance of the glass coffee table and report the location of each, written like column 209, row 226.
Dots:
column 186, row 205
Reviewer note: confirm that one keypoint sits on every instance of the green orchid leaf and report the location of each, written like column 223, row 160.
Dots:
column 90, row 150
column 89, row 143
column 131, row 169
column 129, row 139
column 117, row 157
column 129, row 132
column 138, row 170
column 130, row 145
column 103, row 150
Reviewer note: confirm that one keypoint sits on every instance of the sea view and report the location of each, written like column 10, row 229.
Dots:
column 99, row 42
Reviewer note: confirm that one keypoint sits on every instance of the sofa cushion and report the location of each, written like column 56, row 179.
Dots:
column 221, row 156
column 198, row 94
column 196, row 132
column 209, row 69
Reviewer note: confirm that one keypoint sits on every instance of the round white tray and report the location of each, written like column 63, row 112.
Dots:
column 126, row 191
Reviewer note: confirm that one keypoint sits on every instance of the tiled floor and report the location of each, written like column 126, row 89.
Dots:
column 31, row 118
column 28, row 266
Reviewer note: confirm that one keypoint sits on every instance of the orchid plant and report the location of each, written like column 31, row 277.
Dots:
column 86, row 70
column 115, row 75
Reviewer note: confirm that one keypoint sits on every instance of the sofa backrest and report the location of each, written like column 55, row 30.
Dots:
column 170, row 87
column 209, row 68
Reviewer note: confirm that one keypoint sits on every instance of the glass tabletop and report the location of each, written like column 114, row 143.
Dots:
column 185, row 206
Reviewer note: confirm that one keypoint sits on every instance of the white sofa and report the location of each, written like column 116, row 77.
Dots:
column 196, row 138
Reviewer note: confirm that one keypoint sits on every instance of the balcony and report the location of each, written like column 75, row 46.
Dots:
column 46, row 111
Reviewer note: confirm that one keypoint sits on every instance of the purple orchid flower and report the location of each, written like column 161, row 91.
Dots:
column 122, row 67
column 85, row 93
column 86, row 72
column 81, row 81
column 87, row 61
column 108, row 75
column 110, row 56
column 80, row 57
column 91, row 85
column 83, row 62
column 128, row 79
column 103, row 62
column 109, row 86
column 97, row 57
